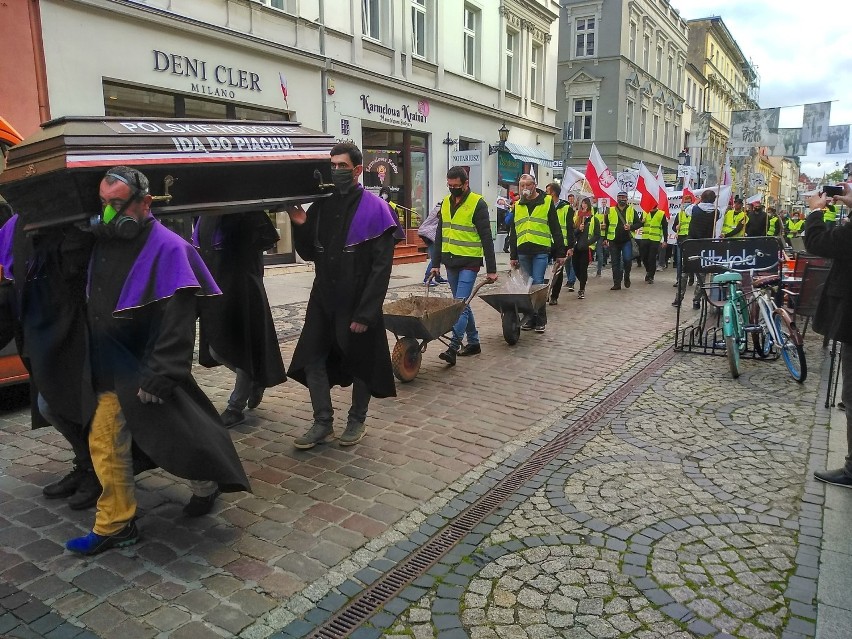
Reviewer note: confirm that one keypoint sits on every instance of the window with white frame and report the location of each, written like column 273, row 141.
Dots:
column 419, row 24
column 646, row 51
column 371, row 19
column 679, row 78
column 512, row 61
column 632, row 45
column 676, row 138
column 670, row 72
column 655, row 133
column 584, row 30
column 471, row 23
column 666, row 140
column 628, row 129
column 643, row 126
column 659, row 75
column 277, row 4
column 583, row 115
column 688, row 91
column 536, row 63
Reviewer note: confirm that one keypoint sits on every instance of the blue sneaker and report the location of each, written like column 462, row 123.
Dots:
column 92, row 544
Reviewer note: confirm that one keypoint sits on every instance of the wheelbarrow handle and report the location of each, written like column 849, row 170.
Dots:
column 475, row 290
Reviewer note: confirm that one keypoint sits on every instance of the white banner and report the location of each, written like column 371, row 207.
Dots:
column 815, row 122
column 838, row 139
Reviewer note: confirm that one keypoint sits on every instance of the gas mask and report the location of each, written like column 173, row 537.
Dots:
column 114, row 224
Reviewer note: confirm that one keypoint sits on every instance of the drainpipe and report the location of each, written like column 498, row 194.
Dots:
column 39, row 61
column 324, row 70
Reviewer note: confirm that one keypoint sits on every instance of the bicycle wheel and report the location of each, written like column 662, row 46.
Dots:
column 792, row 353
column 732, row 342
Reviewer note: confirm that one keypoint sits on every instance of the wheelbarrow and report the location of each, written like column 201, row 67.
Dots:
column 417, row 320
column 513, row 306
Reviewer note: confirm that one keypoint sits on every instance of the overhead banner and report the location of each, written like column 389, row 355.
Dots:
column 750, row 129
column 838, row 139
column 815, row 122
column 789, row 144
column 700, row 135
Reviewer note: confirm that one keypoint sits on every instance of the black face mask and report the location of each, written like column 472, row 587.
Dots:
column 342, row 179
column 119, row 226
column 456, row 191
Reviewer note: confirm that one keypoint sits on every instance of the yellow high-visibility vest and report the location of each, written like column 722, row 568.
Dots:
column 458, row 232
column 652, row 227
column 532, row 226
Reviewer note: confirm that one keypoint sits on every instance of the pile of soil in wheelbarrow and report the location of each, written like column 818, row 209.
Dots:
column 418, row 306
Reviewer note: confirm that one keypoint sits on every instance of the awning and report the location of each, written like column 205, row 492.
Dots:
column 528, row 154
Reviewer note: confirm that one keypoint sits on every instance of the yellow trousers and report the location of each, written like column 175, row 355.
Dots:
column 110, row 446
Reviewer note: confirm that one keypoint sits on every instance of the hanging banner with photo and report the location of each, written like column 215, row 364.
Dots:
column 750, row 129
column 627, row 179
column 838, row 139
column 789, row 144
column 700, row 135
column 815, row 122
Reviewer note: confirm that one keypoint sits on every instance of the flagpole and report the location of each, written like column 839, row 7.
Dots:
column 719, row 195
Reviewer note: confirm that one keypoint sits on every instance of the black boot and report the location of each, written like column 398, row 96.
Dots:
column 66, row 486
column 87, row 493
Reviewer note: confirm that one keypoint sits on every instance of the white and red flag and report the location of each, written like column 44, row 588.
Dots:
column 600, row 178
column 648, row 188
column 663, row 197
column 283, row 80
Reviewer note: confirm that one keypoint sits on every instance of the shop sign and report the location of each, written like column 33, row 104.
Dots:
column 509, row 169
column 380, row 166
column 402, row 115
column 467, row 158
column 217, row 80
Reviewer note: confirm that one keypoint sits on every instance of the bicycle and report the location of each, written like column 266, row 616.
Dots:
column 775, row 328
column 734, row 314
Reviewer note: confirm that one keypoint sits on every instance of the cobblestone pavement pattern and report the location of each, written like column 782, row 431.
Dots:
column 683, row 512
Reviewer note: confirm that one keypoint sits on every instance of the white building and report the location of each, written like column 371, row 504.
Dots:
column 412, row 82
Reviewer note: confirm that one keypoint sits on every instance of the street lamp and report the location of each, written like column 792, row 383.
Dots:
column 503, row 132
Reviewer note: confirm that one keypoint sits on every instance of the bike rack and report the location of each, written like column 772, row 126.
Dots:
column 697, row 336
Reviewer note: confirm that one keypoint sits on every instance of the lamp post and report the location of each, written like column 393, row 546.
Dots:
column 449, row 141
column 503, row 133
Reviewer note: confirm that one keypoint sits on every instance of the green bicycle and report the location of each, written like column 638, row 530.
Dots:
column 734, row 319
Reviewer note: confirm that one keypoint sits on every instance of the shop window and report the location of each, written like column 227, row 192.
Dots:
column 203, row 109
column 123, row 101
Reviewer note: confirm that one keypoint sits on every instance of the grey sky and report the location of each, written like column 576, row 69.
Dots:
column 801, row 53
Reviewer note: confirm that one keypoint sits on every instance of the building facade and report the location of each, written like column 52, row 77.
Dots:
column 620, row 82
column 732, row 85
column 417, row 84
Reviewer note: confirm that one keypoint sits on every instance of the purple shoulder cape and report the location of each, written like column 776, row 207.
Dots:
column 7, row 233
column 216, row 240
column 165, row 265
column 372, row 218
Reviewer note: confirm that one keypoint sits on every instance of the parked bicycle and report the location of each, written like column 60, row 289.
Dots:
column 776, row 329
column 734, row 316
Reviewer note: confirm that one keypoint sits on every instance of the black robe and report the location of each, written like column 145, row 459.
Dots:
column 149, row 345
column 350, row 286
column 49, row 273
column 238, row 324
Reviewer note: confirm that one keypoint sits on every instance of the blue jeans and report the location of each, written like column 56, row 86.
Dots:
column 536, row 265
column 461, row 284
column 570, row 275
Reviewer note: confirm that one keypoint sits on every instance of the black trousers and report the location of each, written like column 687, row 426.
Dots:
column 580, row 259
column 649, row 250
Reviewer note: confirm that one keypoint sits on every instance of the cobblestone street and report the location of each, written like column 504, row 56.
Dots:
column 632, row 492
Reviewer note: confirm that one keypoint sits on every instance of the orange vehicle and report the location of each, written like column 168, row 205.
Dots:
column 12, row 369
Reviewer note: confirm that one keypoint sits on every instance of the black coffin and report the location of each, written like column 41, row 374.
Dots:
column 194, row 166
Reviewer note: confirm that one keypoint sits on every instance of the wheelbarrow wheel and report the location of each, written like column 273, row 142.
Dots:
column 406, row 358
column 511, row 327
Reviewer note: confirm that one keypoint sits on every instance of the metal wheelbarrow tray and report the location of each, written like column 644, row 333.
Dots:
column 416, row 318
column 513, row 305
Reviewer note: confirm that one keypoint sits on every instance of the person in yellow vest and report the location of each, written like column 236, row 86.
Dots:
column 621, row 221
column 464, row 235
column 565, row 213
column 774, row 227
column 829, row 216
column 533, row 235
column 735, row 220
column 655, row 228
column 601, row 250
column 680, row 225
column 586, row 234
column 795, row 224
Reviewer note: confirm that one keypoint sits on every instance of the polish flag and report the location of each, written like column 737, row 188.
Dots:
column 663, row 199
column 283, row 80
column 648, row 188
column 600, row 178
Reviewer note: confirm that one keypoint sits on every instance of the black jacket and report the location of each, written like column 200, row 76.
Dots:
column 701, row 224
column 834, row 313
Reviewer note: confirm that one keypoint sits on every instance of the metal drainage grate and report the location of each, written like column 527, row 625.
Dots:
column 377, row 594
